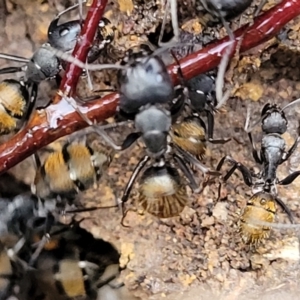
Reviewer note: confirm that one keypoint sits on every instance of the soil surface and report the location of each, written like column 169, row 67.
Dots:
column 199, row 254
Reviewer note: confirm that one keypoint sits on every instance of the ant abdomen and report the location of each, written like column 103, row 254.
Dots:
column 14, row 99
column 74, row 168
column 162, row 192
column 261, row 207
column 228, row 9
column 189, row 135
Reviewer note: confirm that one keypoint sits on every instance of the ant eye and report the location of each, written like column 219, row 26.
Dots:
column 64, row 32
column 263, row 201
column 149, row 68
column 199, row 92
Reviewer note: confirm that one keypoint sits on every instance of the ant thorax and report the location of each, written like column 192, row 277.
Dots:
column 154, row 123
column 262, row 186
column 159, row 163
column 273, row 149
column 43, row 65
column 225, row 8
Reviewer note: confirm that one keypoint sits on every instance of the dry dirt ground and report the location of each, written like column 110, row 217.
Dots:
column 198, row 255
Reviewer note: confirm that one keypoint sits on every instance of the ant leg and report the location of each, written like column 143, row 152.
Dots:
column 49, row 222
column 191, row 159
column 58, row 80
column 259, row 8
column 287, row 155
column 105, row 91
column 125, row 215
column 210, row 130
column 255, row 154
column 182, row 93
column 285, row 209
column 236, row 165
column 72, row 211
column 80, row 8
column 74, row 104
column 217, row 8
column 163, row 25
column 30, row 104
column 130, row 139
column 220, row 77
column 12, row 254
column 98, row 130
column 246, row 126
column 141, row 164
column 102, row 283
column 3, row 8
column 178, row 106
column 172, row 5
column 75, row 61
column 228, row 29
column 46, row 237
column 89, row 79
column 179, row 70
column 9, row 70
column 210, row 125
column 33, row 97
column 187, row 172
column 116, row 286
column 289, row 179
column 174, row 18
column 111, row 272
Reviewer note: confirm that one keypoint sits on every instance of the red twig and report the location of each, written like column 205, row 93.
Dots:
column 264, row 28
column 60, row 119
column 83, row 45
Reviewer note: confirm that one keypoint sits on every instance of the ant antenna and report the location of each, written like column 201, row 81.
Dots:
column 259, row 8
column 291, row 103
column 71, row 8
column 14, row 58
column 73, row 60
column 220, row 77
column 80, row 6
column 247, row 122
column 172, row 5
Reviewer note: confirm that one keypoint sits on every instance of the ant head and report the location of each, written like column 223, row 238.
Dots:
column 154, row 84
column 273, row 119
column 63, row 36
column 202, row 92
